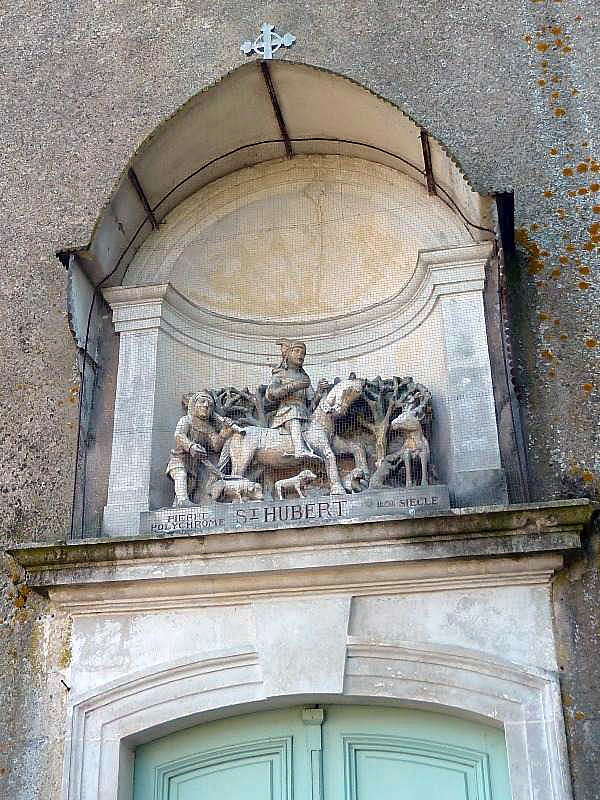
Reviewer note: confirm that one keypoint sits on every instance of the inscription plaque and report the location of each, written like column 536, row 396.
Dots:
column 297, row 513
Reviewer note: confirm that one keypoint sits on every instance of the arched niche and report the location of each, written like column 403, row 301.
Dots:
column 348, row 228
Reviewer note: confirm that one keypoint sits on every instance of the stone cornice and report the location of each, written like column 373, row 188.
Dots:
column 488, row 546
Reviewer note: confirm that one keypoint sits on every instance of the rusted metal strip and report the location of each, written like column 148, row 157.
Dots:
column 427, row 162
column 143, row 199
column 266, row 72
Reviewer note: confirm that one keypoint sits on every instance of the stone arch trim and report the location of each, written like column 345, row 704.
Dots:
column 105, row 727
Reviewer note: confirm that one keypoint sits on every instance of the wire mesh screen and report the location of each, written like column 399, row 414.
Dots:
column 280, row 372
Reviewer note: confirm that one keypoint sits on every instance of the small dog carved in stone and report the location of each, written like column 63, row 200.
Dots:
column 297, row 483
column 235, row 490
column 356, row 481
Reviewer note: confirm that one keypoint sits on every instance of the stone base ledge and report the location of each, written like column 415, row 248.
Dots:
column 487, row 546
column 306, row 512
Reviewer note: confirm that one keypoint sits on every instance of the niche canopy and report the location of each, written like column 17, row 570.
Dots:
column 258, row 113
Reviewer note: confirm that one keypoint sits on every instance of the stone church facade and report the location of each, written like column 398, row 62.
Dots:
column 300, row 460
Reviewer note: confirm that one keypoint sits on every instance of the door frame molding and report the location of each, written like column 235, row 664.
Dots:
column 104, row 727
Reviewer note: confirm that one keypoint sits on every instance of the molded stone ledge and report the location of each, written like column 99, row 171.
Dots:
column 393, row 555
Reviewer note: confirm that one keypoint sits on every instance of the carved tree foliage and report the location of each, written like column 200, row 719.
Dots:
column 243, row 406
column 384, row 399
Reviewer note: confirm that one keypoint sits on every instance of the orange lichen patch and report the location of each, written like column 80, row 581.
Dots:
column 567, row 172
column 563, row 260
column 555, row 273
column 572, row 193
column 574, row 92
column 560, row 213
column 551, row 373
column 547, row 355
column 570, row 248
column 591, row 343
column 527, row 38
column 556, row 322
column 589, row 246
column 587, row 387
column 563, row 337
column 582, row 190
column 596, row 209
column 542, row 47
column 548, row 193
column 542, row 317
column 535, row 263
column 544, row 64
column 554, row 95
column 559, row 111
column 541, row 82
column 534, row 226
column 582, row 167
column 555, row 79
column 553, row 151
column 583, row 285
column 594, row 187
column 556, row 30
column 566, row 49
column 584, row 270
column 594, row 229
column 558, row 42
column 595, row 166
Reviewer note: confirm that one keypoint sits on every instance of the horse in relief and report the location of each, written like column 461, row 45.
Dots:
column 270, row 447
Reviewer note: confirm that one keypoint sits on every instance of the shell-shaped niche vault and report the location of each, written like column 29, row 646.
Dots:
column 307, row 239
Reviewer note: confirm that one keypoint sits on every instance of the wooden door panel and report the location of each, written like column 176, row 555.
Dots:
column 249, row 757
column 255, row 771
column 403, row 754
column 366, row 753
column 385, row 767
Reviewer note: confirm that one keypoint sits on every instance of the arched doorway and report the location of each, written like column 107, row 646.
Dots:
column 335, row 752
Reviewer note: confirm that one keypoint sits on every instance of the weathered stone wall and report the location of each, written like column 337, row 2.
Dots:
column 577, row 621
column 508, row 86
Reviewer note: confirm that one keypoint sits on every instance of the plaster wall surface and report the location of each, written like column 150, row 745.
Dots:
column 313, row 238
column 293, row 636
column 303, row 647
column 84, row 84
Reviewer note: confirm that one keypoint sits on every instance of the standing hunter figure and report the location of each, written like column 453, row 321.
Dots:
column 291, row 390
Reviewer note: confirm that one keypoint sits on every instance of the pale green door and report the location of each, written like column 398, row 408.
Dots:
column 362, row 753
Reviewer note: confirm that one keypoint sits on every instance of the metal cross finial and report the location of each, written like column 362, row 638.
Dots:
column 267, row 42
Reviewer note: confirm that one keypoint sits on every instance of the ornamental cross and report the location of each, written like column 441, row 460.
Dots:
column 267, row 42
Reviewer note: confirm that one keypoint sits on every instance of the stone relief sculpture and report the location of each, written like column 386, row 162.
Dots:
column 291, row 390
column 199, row 429
column 297, row 483
column 346, row 437
column 394, row 451
column 269, row 447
